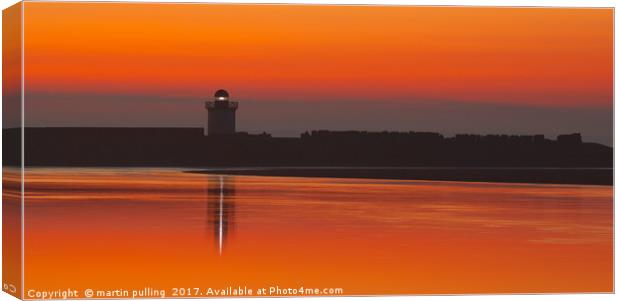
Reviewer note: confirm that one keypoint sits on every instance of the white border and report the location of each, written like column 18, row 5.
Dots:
column 543, row 3
column 539, row 3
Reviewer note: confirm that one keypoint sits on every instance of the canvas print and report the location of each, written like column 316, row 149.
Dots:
column 222, row 150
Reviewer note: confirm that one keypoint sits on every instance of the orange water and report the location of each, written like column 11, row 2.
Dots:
column 108, row 229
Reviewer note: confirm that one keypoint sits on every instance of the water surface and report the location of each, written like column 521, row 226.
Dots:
column 105, row 228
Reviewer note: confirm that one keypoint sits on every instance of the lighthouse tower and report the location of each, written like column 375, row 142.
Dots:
column 221, row 115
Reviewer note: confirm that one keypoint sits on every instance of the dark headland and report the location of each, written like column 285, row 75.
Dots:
column 357, row 154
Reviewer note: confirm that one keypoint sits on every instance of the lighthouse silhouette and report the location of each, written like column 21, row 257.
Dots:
column 220, row 114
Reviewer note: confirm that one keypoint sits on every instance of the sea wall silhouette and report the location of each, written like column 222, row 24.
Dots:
column 187, row 147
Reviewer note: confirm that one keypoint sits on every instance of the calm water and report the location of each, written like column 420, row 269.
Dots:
column 163, row 228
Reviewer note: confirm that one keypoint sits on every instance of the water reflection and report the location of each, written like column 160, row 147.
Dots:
column 220, row 208
column 435, row 237
column 11, row 230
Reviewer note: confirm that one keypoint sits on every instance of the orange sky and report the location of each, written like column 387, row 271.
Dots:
column 531, row 56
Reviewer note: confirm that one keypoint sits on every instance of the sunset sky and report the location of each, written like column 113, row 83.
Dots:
column 297, row 68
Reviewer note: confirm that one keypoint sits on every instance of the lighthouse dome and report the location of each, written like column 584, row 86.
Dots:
column 221, row 95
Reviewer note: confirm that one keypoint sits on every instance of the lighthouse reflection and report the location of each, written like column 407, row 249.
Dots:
column 220, row 208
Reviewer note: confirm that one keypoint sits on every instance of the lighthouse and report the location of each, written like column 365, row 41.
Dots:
column 220, row 115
